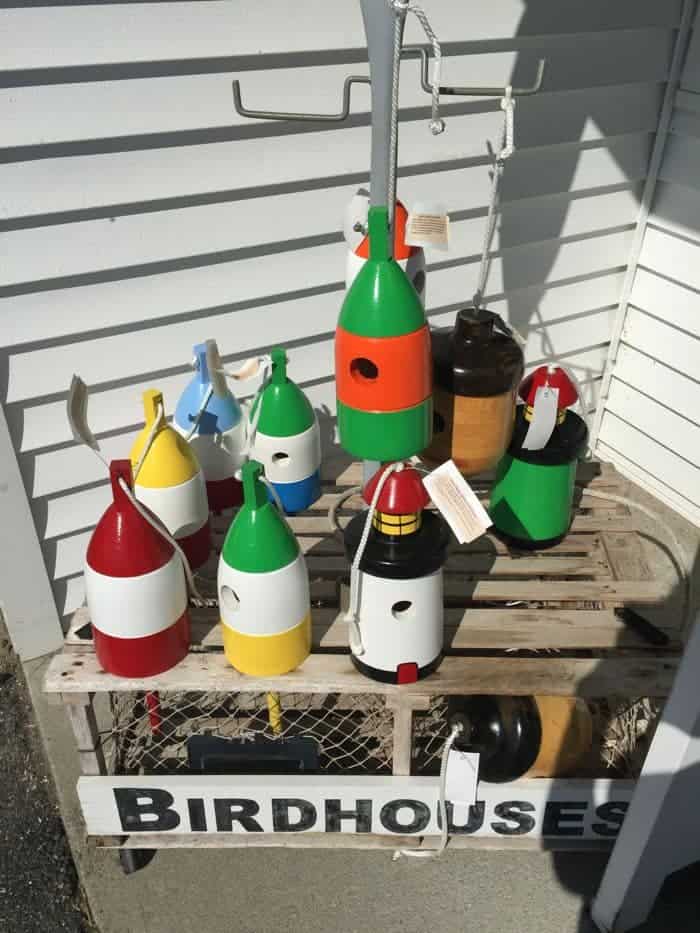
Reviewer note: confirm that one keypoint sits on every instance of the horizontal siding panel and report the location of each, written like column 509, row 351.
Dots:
column 680, row 161
column 662, row 423
column 676, row 210
column 654, row 458
column 646, row 480
column 670, row 388
column 83, row 182
column 79, row 248
column 48, row 371
column 671, row 256
column 154, row 31
column 673, row 303
column 45, row 424
column 37, row 115
column 673, row 347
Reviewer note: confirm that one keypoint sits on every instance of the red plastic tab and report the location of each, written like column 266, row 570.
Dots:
column 407, row 673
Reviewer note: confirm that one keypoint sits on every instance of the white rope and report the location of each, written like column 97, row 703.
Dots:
column 400, row 11
column 437, row 125
column 265, row 365
column 155, row 427
column 351, row 616
column 506, row 150
column 164, row 533
column 442, row 804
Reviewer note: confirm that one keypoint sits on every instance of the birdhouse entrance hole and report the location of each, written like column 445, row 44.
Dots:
column 401, row 609
column 363, row 370
column 230, row 599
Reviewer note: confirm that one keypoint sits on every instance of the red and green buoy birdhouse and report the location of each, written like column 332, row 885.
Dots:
column 383, row 365
column 532, row 496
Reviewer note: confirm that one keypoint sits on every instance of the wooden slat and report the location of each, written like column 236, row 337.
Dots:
column 606, row 521
column 465, row 630
column 670, row 388
column 209, row 671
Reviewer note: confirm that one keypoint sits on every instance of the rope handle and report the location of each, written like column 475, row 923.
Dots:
column 505, row 151
column 351, row 616
column 401, row 8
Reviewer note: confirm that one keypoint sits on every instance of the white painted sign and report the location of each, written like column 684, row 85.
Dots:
column 386, row 805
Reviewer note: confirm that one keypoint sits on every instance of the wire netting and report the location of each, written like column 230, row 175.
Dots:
column 150, row 733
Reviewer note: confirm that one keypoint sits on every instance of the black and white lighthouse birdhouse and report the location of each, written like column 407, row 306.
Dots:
column 400, row 609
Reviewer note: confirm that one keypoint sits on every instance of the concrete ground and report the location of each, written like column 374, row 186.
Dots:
column 261, row 891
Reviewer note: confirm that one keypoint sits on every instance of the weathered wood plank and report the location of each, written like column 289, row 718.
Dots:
column 604, row 521
column 465, row 630
column 210, row 672
column 340, row 842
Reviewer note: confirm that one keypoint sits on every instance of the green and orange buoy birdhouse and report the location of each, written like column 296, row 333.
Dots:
column 383, row 365
column 532, row 496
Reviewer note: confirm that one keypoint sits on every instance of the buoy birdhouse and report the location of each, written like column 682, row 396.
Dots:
column 410, row 258
column 383, row 366
column 263, row 586
column 532, row 496
column 168, row 479
column 522, row 736
column 209, row 416
column 477, row 368
column 287, row 440
column 400, row 616
column 135, row 589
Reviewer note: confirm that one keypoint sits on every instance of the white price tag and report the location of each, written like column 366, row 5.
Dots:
column 428, row 225
column 544, row 417
column 462, row 777
column 457, row 502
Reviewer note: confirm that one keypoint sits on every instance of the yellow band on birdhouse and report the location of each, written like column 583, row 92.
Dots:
column 267, row 655
column 397, row 524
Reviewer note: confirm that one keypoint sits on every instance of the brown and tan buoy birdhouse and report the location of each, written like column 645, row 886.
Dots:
column 477, row 368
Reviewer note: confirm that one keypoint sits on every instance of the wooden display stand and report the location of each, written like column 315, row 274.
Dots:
column 515, row 623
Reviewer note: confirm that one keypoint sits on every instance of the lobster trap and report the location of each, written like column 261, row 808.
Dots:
column 324, row 757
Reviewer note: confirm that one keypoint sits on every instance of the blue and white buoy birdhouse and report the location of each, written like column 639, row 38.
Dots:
column 209, row 416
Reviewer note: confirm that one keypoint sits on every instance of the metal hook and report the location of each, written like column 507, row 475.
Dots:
column 472, row 91
column 310, row 117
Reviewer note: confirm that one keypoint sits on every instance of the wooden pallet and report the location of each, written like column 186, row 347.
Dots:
column 515, row 622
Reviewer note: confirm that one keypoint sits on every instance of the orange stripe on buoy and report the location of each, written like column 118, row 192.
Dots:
column 383, row 373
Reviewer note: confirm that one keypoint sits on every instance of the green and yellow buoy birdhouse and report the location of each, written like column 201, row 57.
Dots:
column 263, row 586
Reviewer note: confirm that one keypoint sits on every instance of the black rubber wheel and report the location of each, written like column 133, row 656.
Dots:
column 133, row 860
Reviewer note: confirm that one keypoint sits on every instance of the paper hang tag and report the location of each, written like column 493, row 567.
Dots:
column 544, row 418
column 428, row 224
column 78, row 397
column 462, row 777
column 457, row 502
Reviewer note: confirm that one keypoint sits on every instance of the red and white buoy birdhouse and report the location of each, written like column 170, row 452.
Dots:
column 135, row 588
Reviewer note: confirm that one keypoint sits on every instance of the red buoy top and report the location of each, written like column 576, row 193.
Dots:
column 401, row 250
column 123, row 544
column 403, row 492
column 553, row 376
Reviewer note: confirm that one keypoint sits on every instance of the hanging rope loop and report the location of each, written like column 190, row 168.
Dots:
column 402, row 8
column 505, row 151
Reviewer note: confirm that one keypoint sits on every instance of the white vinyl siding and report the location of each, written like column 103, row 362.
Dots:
column 140, row 214
column 651, row 422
